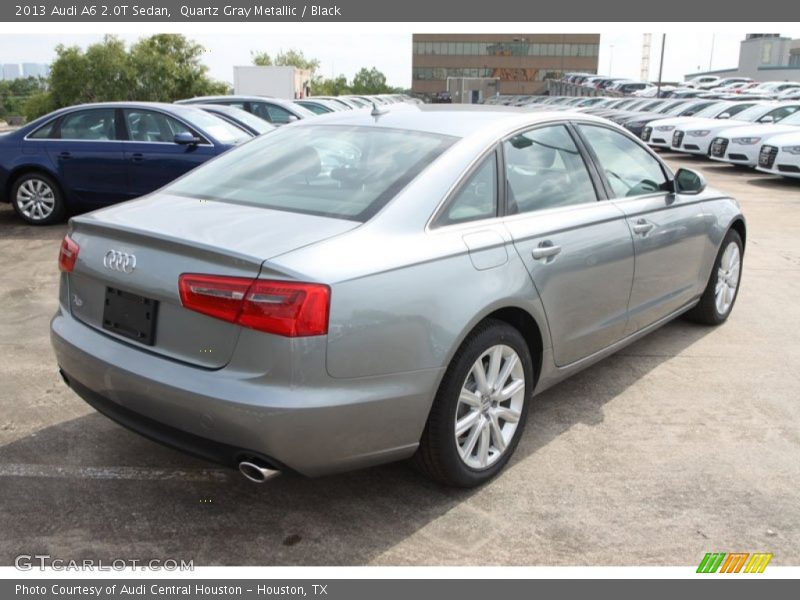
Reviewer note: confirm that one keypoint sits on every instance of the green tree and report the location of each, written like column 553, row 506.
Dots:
column 161, row 68
column 290, row 58
column 370, row 81
column 261, row 59
column 14, row 94
column 330, row 87
column 167, row 67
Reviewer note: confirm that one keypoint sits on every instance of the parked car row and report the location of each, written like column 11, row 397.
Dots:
column 93, row 155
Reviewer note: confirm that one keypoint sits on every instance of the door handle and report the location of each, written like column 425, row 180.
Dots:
column 642, row 227
column 65, row 155
column 545, row 250
column 137, row 157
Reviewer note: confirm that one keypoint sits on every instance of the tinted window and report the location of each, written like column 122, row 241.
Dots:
column 333, row 171
column 544, row 170
column 152, row 126
column 44, row 132
column 278, row 114
column 782, row 112
column 629, row 168
column 477, row 198
column 97, row 124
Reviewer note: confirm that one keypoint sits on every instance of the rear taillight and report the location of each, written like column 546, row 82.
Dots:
column 285, row 308
column 68, row 255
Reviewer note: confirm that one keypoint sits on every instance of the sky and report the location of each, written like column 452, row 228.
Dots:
column 346, row 53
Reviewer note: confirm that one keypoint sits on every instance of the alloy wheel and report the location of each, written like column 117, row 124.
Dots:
column 489, row 406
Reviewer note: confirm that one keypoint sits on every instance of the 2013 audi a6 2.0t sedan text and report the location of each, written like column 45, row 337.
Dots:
column 361, row 288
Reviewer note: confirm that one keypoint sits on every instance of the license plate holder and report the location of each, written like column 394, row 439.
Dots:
column 130, row 315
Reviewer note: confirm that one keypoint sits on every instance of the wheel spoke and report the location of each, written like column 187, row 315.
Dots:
column 469, row 445
column 483, row 447
column 497, row 433
column 509, row 365
column 509, row 415
column 479, row 374
column 495, row 361
column 511, row 389
column 464, row 424
column 470, row 398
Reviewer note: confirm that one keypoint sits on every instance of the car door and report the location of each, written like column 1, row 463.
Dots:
column 669, row 230
column 85, row 149
column 576, row 246
column 153, row 157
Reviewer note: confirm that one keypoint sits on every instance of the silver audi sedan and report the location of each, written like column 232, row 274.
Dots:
column 364, row 287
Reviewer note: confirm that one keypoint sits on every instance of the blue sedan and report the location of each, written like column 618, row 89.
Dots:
column 93, row 155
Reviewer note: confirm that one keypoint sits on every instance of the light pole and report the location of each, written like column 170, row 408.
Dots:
column 661, row 65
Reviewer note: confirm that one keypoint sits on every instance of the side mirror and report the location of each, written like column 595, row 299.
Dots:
column 689, row 182
column 767, row 119
column 292, row 119
column 724, row 116
column 185, row 138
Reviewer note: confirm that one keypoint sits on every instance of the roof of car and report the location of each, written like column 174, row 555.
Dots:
column 445, row 119
column 234, row 98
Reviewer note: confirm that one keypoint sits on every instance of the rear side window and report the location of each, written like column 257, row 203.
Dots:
column 477, row 197
column 629, row 168
column 333, row 171
column 46, row 131
column 271, row 112
column 544, row 169
column 97, row 124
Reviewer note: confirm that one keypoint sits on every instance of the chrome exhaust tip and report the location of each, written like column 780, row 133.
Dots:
column 255, row 472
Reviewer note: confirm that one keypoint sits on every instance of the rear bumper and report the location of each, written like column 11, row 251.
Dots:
column 314, row 428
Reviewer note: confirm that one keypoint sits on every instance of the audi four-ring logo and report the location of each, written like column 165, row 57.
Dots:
column 119, row 261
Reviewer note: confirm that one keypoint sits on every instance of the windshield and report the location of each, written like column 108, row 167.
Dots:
column 220, row 129
column 712, row 110
column 327, row 170
column 754, row 112
column 793, row 119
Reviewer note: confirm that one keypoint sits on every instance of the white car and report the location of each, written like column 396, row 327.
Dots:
column 696, row 138
column 780, row 155
column 742, row 145
column 658, row 134
column 701, row 80
column 722, row 83
column 772, row 88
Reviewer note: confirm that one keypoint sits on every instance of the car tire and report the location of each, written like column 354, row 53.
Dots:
column 447, row 456
column 717, row 301
column 38, row 199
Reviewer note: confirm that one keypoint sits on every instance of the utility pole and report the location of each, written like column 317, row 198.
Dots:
column 711, row 57
column 661, row 65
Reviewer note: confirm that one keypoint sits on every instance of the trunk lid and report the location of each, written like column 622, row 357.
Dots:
column 171, row 235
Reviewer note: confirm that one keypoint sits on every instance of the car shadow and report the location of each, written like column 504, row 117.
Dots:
column 775, row 182
column 13, row 227
column 87, row 488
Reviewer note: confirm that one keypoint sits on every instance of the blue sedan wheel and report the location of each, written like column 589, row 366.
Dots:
column 37, row 199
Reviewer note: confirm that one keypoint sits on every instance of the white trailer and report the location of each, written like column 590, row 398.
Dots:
column 288, row 83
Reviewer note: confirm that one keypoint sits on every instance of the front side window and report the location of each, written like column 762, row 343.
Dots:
column 629, row 168
column 544, row 169
column 476, row 199
column 152, row 126
column 333, row 171
column 97, row 124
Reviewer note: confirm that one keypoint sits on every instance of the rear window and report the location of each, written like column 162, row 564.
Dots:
column 326, row 170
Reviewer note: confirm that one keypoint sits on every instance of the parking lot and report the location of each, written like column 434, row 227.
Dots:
column 684, row 443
